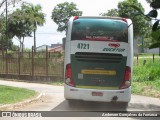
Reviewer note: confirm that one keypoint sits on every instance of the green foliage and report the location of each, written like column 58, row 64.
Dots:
column 154, row 45
column 19, row 25
column 24, row 21
column 5, row 41
column 149, row 1
column 148, row 72
column 146, row 78
column 155, row 4
column 140, row 24
column 137, row 8
column 148, row 88
column 10, row 53
column 152, row 13
column 62, row 12
column 155, row 26
column 27, row 50
column 35, row 16
column 126, row 9
column 112, row 12
column 5, row 44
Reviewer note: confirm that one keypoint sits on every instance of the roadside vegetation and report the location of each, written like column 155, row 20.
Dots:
column 10, row 95
column 146, row 77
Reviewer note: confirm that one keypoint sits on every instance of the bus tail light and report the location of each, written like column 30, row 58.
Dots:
column 124, row 19
column 75, row 18
column 68, row 76
column 127, row 79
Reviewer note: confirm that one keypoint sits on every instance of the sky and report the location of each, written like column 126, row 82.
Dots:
column 47, row 34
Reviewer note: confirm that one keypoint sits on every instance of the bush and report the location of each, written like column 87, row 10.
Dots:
column 149, row 72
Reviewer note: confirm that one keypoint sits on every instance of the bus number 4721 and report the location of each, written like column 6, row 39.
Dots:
column 83, row 46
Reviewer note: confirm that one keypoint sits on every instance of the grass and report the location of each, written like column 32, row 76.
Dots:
column 146, row 78
column 146, row 88
column 9, row 95
column 56, row 83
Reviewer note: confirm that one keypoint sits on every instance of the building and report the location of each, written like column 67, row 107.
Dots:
column 56, row 48
column 52, row 48
column 42, row 48
column 55, row 45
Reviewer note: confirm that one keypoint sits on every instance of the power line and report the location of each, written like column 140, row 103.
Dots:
column 46, row 33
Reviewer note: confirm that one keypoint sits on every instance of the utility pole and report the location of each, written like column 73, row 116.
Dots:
column 7, row 37
column 7, row 23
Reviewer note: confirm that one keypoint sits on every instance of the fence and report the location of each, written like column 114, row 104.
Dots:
column 149, row 57
column 31, row 64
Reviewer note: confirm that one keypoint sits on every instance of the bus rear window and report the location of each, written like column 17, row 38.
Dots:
column 99, row 30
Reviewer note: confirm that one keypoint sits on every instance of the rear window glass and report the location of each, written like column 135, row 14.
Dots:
column 99, row 30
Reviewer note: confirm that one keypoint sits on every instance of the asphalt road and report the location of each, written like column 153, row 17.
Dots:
column 53, row 100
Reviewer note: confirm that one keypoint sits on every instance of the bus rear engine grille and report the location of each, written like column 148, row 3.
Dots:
column 98, row 57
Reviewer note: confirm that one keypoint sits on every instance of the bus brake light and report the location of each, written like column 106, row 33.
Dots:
column 126, row 82
column 68, row 76
column 124, row 19
column 75, row 18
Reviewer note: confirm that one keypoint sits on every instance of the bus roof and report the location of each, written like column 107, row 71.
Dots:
column 100, row 17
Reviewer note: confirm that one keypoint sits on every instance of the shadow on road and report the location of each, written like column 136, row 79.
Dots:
column 144, row 107
column 104, row 107
column 100, row 106
column 88, row 106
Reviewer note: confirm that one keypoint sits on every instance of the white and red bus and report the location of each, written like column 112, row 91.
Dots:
column 98, row 60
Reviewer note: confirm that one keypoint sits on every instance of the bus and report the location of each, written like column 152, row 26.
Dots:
column 98, row 61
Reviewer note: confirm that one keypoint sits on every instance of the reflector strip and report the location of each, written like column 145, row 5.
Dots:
column 99, row 72
column 98, row 87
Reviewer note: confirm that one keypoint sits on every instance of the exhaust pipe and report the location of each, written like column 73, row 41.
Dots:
column 115, row 98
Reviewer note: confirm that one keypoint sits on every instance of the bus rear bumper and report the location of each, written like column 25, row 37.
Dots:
column 72, row 93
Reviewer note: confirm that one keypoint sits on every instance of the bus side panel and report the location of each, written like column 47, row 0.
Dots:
column 67, row 47
column 130, row 50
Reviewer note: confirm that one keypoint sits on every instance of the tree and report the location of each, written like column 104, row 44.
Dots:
column 9, row 2
column 155, row 4
column 5, row 39
column 19, row 25
column 37, row 17
column 62, row 12
column 139, row 22
column 112, row 13
column 140, row 25
column 5, row 43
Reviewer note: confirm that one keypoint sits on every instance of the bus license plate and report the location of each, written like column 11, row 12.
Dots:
column 97, row 94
